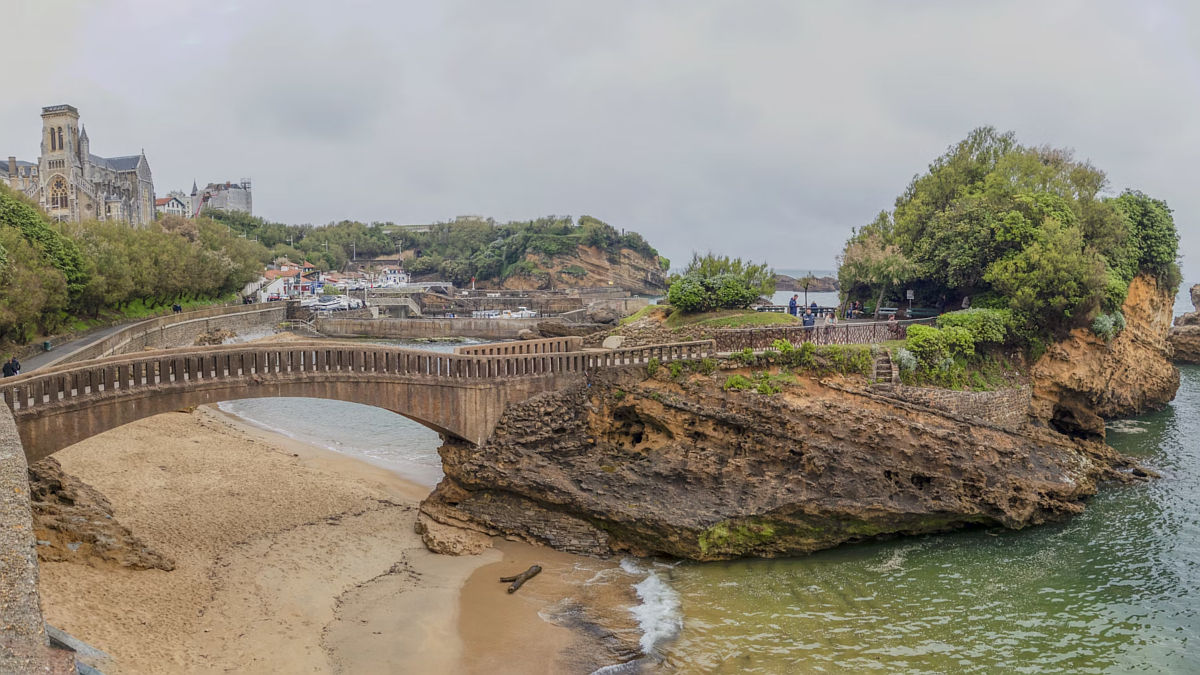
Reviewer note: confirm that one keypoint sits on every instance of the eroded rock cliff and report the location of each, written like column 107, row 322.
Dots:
column 589, row 267
column 684, row 468
column 74, row 522
column 1082, row 380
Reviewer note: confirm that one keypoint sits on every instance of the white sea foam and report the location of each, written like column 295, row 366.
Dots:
column 658, row 615
column 1128, row 426
column 631, row 566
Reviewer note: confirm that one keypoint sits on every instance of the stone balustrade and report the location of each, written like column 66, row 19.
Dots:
column 546, row 346
column 184, row 365
column 665, row 353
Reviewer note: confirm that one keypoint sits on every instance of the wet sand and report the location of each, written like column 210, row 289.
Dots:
column 290, row 558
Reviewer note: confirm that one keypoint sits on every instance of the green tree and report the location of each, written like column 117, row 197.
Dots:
column 1054, row 280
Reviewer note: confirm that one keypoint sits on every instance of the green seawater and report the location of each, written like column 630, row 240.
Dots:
column 1114, row 590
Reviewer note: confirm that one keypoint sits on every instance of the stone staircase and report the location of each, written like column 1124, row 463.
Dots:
column 885, row 370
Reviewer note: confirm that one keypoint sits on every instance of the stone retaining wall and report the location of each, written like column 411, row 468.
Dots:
column 415, row 329
column 178, row 329
column 737, row 339
column 1007, row 408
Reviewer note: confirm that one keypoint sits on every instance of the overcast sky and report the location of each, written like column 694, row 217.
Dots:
column 762, row 129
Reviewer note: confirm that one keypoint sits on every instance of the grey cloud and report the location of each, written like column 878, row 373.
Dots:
column 763, row 129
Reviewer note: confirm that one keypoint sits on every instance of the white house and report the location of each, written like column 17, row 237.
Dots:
column 171, row 206
column 393, row 277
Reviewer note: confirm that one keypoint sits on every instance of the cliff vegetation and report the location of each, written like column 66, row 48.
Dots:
column 52, row 274
column 1008, row 226
column 549, row 252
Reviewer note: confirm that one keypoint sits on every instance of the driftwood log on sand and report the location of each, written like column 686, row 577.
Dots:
column 521, row 578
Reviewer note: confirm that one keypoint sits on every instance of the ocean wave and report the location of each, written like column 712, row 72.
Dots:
column 1128, row 426
column 658, row 615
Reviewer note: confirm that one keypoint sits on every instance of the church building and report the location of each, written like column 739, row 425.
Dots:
column 72, row 184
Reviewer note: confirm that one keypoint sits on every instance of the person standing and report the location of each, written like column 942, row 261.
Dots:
column 792, row 305
column 809, row 319
column 12, row 367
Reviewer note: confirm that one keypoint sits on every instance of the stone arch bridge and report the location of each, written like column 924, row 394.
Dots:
column 461, row 394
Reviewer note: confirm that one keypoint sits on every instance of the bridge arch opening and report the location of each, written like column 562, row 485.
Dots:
column 377, row 435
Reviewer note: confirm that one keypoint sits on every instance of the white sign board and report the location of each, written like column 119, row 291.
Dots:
column 910, row 294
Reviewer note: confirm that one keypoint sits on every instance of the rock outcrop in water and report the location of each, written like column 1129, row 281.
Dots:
column 684, row 468
column 1082, row 380
column 1185, row 334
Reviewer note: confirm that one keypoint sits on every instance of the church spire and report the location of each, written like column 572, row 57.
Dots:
column 194, row 189
column 83, row 133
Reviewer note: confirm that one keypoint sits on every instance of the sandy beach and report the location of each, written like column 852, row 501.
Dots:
column 295, row 559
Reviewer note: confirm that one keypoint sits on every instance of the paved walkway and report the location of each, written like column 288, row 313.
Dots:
column 40, row 359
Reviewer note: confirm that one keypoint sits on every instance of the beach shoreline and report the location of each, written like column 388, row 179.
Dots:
column 289, row 558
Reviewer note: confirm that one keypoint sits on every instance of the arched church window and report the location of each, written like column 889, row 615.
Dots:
column 53, row 141
column 58, row 193
column 60, row 139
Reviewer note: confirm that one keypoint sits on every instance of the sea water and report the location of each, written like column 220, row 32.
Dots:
column 373, row 434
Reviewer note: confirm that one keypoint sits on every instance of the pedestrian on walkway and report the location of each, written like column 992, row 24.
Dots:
column 792, row 305
column 809, row 319
column 12, row 366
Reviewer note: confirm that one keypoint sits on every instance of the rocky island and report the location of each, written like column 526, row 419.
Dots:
column 677, row 464
column 1185, row 334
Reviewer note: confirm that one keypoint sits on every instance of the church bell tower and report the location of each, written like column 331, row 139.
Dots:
column 60, row 164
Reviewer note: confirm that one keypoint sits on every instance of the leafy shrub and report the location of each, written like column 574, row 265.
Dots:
column 731, row 292
column 925, row 343
column 575, row 271
column 676, row 368
column 931, row 346
column 958, row 341
column 652, row 366
column 706, row 366
column 905, row 360
column 761, row 382
column 805, row 355
column 688, row 294
column 745, row 357
column 1108, row 326
column 738, row 382
column 693, row 293
column 986, row 325
column 847, row 359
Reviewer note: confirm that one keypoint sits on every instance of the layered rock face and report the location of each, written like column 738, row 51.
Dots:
column 1082, row 380
column 1185, row 334
column 73, row 522
column 655, row 466
column 590, row 267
